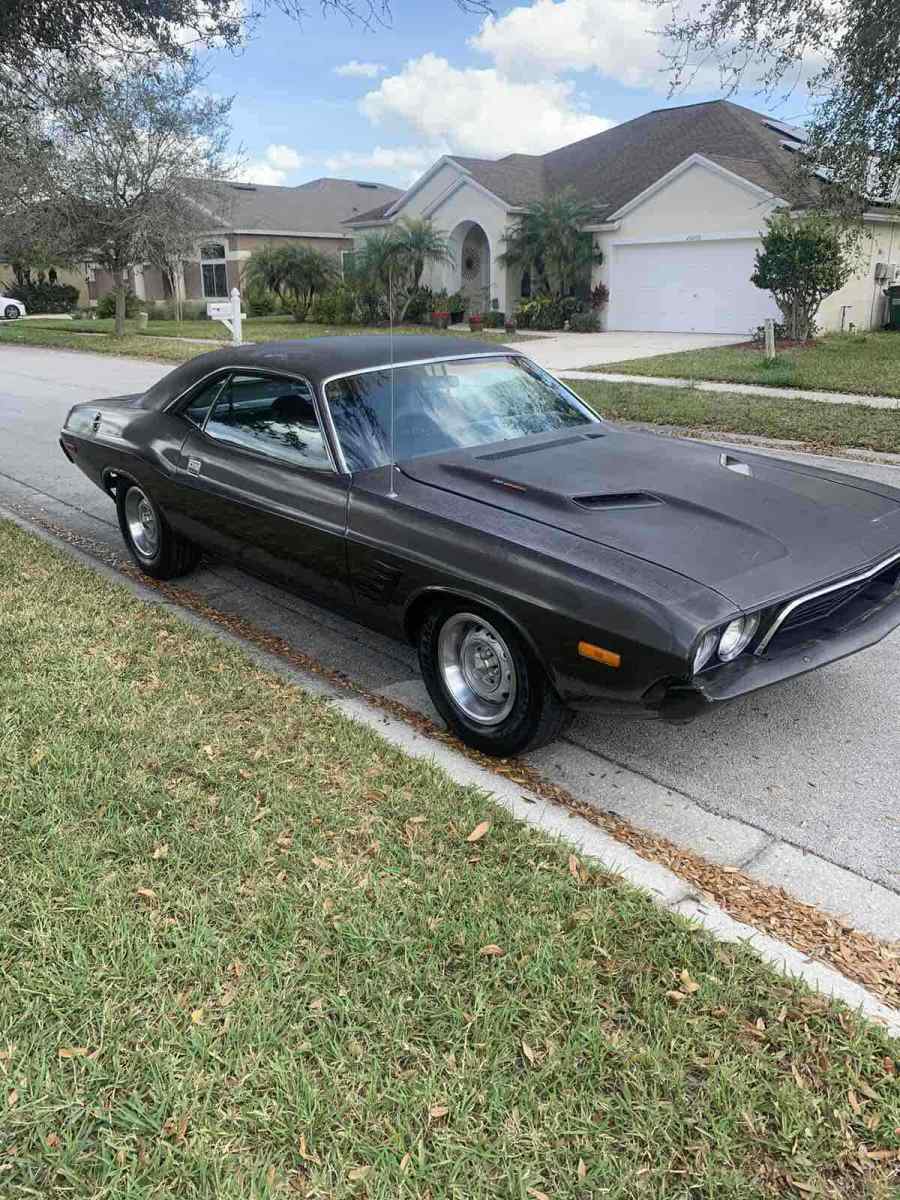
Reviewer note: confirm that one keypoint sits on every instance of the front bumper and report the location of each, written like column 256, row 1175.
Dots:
column 861, row 625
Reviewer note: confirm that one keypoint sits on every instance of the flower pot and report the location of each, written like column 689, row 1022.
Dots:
column 440, row 319
column 509, row 326
column 476, row 324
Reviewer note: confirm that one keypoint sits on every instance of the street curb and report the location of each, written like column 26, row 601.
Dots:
column 663, row 886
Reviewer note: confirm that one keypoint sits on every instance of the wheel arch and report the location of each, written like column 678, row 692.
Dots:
column 419, row 603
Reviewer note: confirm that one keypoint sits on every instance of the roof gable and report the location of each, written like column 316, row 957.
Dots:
column 319, row 206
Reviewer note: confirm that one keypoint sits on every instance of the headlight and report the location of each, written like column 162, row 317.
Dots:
column 736, row 636
column 705, row 650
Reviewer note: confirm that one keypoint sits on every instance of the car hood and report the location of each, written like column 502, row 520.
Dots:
column 756, row 529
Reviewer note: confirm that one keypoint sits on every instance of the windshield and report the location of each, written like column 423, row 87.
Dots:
column 445, row 406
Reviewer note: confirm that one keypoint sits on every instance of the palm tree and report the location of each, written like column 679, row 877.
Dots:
column 368, row 270
column 265, row 270
column 416, row 244
column 294, row 273
column 549, row 242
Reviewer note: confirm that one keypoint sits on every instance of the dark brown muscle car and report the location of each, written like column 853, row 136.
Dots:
column 542, row 559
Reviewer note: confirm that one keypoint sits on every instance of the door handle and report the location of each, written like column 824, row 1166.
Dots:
column 194, row 466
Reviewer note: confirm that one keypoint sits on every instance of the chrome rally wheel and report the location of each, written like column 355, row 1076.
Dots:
column 142, row 523
column 477, row 668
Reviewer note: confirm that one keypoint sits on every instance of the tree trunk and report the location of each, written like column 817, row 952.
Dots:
column 119, row 280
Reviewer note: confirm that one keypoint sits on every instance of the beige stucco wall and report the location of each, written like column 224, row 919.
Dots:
column 863, row 293
column 701, row 202
column 452, row 216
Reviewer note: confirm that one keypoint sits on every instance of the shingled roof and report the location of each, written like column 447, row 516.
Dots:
column 613, row 167
column 320, row 206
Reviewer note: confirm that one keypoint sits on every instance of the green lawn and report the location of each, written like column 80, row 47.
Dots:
column 248, row 950
column 154, row 339
column 867, row 363
column 818, row 423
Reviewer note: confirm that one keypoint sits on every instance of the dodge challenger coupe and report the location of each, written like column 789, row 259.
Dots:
column 541, row 559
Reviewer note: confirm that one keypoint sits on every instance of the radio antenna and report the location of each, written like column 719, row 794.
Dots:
column 392, row 490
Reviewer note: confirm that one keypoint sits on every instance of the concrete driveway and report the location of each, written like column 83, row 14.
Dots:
column 799, row 785
column 573, row 351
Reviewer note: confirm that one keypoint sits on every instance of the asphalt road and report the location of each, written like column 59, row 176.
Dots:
column 798, row 784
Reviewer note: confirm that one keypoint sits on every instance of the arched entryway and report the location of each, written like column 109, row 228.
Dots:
column 472, row 257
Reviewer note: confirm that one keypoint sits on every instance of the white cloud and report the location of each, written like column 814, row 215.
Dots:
column 615, row 37
column 274, row 167
column 402, row 162
column 355, row 68
column 283, row 157
column 481, row 112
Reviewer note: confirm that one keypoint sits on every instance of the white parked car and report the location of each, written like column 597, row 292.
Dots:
column 11, row 309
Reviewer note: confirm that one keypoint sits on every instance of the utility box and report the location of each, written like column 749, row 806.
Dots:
column 893, row 307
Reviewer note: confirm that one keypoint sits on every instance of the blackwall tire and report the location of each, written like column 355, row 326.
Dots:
column 156, row 549
column 485, row 682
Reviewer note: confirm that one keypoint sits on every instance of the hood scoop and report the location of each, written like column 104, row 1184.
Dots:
column 610, row 501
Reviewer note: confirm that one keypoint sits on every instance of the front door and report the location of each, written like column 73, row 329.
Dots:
column 261, row 483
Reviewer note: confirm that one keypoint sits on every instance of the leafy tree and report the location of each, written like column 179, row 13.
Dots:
column 30, row 30
column 549, row 241
column 294, row 273
column 132, row 154
column 854, row 131
column 801, row 262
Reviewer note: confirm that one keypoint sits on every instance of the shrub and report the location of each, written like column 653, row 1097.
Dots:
column 259, row 302
column 106, row 305
column 599, row 295
column 494, row 319
column 44, row 296
column 541, row 312
column 584, row 322
column 420, row 306
column 758, row 335
column 337, row 306
column 801, row 262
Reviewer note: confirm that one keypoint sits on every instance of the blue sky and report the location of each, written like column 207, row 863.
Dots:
column 328, row 98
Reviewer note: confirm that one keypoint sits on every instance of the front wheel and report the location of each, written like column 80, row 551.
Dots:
column 485, row 682
column 11, row 312
column 157, row 550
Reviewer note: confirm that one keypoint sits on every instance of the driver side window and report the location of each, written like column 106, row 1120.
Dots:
column 276, row 417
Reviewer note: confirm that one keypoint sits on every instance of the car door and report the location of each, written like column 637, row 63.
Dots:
column 260, row 480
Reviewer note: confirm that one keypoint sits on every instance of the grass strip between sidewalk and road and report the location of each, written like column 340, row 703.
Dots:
column 249, row 949
column 818, row 423
column 863, row 363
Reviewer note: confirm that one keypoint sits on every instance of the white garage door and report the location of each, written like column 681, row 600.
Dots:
column 687, row 287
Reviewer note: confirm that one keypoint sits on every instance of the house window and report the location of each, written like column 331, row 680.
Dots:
column 525, row 290
column 212, row 270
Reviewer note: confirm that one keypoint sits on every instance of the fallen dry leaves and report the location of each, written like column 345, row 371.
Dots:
column 479, row 831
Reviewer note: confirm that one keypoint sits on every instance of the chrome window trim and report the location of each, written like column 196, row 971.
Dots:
column 265, row 373
column 424, row 362
column 832, row 587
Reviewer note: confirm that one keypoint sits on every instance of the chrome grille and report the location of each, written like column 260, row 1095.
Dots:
column 824, row 602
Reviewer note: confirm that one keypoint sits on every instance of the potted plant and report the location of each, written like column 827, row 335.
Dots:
column 510, row 324
column 440, row 318
column 457, row 305
column 476, row 322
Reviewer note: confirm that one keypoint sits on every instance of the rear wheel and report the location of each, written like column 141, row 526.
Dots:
column 157, row 550
column 485, row 682
column 10, row 312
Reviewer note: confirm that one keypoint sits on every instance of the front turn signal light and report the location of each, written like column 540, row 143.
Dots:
column 597, row 654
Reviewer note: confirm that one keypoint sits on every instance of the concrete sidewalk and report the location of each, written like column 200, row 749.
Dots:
column 743, row 389
column 574, row 351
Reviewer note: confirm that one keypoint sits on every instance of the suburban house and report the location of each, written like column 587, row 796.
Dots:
column 681, row 195
column 244, row 216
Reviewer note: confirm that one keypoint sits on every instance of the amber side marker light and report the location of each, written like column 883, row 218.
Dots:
column 598, row 654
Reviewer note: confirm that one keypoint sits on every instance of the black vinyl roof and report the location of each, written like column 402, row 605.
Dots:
column 316, row 358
